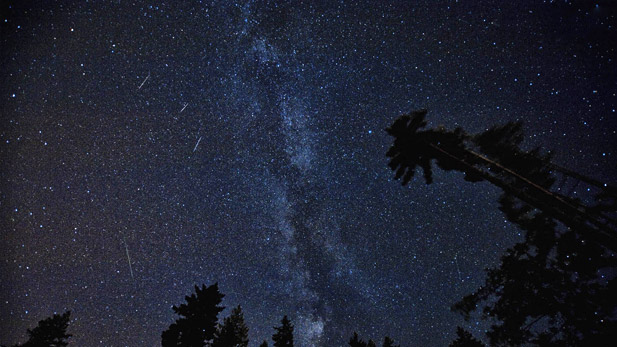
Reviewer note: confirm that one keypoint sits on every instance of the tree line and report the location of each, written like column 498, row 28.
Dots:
column 555, row 288
column 197, row 326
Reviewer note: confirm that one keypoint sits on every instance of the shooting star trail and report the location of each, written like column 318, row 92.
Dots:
column 126, row 247
column 185, row 105
column 142, row 83
column 197, row 144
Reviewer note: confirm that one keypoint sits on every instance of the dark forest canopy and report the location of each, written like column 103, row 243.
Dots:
column 198, row 327
column 50, row 332
column 557, row 286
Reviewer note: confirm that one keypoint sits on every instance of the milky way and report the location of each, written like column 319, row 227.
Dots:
column 147, row 148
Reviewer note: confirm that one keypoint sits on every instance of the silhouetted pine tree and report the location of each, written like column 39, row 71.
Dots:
column 233, row 332
column 264, row 344
column 495, row 156
column 356, row 341
column 388, row 342
column 50, row 332
column 284, row 334
column 197, row 325
column 554, row 288
column 465, row 339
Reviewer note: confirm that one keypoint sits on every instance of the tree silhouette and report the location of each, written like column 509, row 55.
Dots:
column 465, row 339
column 197, row 325
column 233, row 332
column 413, row 148
column 264, row 344
column 50, row 332
column 552, row 288
column 356, row 341
column 522, row 174
column 284, row 334
column 388, row 342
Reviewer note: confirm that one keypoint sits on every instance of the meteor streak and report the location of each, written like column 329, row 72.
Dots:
column 142, row 83
column 126, row 247
column 197, row 144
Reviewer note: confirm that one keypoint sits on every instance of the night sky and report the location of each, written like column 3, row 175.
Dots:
column 146, row 148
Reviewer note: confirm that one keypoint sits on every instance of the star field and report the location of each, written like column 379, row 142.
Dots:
column 147, row 147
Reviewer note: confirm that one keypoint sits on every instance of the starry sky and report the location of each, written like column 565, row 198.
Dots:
column 150, row 146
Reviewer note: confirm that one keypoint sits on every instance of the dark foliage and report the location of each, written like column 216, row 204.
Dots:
column 356, row 341
column 413, row 148
column 388, row 342
column 465, row 339
column 495, row 156
column 264, row 344
column 50, row 332
column 197, row 325
column 284, row 334
column 554, row 287
column 233, row 332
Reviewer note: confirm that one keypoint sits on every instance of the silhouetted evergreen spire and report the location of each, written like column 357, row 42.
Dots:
column 264, row 344
column 388, row 342
column 284, row 334
column 233, row 332
column 197, row 325
column 465, row 339
column 356, row 341
column 50, row 332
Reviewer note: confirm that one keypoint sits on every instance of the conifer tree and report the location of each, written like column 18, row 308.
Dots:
column 50, row 332
column 233, row 332
column 388, row 342
column 197, row 325
column 465, row 339
column 264, row 344
column 553, row 288
column 356, row 341
column 284, row 334
column 495, row 156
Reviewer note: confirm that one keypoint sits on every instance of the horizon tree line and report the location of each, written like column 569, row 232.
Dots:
column 198, row 326
column 556, row 287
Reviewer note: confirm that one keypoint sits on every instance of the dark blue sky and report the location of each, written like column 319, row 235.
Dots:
column 244, row 143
